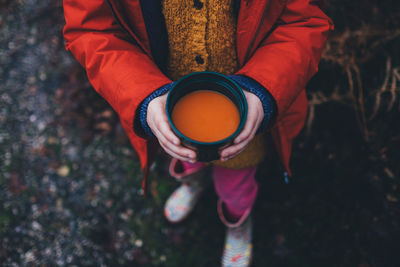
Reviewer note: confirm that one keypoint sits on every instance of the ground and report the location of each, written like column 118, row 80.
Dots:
column 70, row 182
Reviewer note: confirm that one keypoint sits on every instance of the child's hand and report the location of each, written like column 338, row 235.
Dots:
column 255, row 115
column 158, row 123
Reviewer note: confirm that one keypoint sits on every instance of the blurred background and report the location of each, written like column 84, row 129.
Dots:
column 70, row 182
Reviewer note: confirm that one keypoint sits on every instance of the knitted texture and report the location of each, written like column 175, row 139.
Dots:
column 252, row 155
column 201, row 36
column 143, row 107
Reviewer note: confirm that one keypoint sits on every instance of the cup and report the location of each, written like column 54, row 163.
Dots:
column 206, row 80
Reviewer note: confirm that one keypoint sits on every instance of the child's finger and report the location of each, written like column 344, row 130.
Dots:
column 170, row 141
column 232, row 151
column 251, row 121
column 233, row 155
column 237, row 148
column 248, row 128
column 179, row 150
column 166, row 131
column 175, row 155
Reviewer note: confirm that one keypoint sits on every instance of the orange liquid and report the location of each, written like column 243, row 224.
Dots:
column 205, row 116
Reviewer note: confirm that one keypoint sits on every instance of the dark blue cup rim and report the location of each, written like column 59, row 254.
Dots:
column 242, row 118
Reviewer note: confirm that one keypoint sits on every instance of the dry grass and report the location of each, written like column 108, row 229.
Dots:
column 349, row 50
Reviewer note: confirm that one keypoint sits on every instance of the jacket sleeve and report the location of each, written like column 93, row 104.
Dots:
column 267, row 101
column 117, row 67
column 288, row 57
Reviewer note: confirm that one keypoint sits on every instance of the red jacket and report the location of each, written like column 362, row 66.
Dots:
column 279, row 44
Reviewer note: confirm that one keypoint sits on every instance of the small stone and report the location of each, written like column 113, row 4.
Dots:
column 120, row 234
column 11, row 45
column 42, row 76
column 109, row 203
column 32, row 118
column 124, row 216
column 41, row 126
column 31, row 40
column 94, row 202
column 47, row 252
column 36, row 226
column 52, row 188
column 31, row 79
column 139, row 243
column 29, row 256
column 45, row 179
column 96, row 188
column 69, row 259
column 63, row 171
column 129, row 212
column 59, row 204
column 52, row 140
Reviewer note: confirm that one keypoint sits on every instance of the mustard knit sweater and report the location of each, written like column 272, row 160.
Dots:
column 201, row 36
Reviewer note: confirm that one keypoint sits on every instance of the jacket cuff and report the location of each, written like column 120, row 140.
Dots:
column 143, row 107
column 268, row 102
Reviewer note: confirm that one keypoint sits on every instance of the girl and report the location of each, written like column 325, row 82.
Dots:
column 134, row 50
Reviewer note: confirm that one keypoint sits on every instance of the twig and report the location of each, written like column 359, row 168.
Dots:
column 360, row 103
column 393, row 88
column 382, row 89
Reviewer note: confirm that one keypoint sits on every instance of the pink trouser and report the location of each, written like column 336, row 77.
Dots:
column 236, row 188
